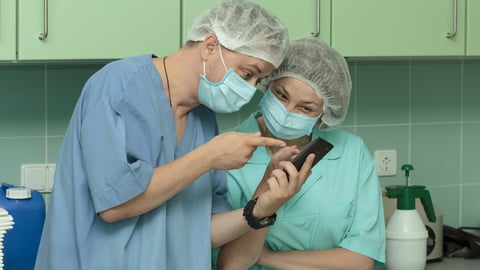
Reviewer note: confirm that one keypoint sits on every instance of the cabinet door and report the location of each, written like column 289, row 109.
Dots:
column 91, row 29
column 300, row 17
column 7, row 29
column 473, row 27
column 397, row 28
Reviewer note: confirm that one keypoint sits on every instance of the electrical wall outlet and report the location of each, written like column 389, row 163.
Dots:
column 38, row 176
column 386, row 161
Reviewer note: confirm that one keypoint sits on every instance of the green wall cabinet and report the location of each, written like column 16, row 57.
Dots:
column 91, row 29
column 7, row 29
column 398, row 28
column 473, row 28
column 108, row 29
column 299, row 16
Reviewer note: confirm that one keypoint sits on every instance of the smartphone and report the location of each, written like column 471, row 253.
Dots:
column 318, row 146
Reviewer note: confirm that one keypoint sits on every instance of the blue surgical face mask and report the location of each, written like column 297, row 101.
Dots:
column 282, row 123
column 227, row 95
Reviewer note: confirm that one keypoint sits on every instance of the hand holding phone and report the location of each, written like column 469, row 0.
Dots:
column 318, row 146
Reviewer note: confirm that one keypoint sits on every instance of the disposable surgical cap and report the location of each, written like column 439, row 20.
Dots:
column 243, row 27
column 321, row 67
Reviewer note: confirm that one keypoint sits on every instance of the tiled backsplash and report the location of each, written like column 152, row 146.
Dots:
column 427, row 110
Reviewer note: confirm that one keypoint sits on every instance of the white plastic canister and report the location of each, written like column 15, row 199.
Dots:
column 406, row 241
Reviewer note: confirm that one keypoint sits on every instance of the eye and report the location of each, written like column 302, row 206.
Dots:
column 306, row 109
column 279, row 94
column 246, row 75
column 310, row 109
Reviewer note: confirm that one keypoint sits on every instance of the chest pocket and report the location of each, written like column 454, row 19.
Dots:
column 145, row 136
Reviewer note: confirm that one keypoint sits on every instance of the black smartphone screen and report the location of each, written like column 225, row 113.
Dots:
column 318, row 146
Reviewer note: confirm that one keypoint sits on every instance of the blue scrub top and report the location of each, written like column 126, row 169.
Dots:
column 122, row 128
column 340, row 205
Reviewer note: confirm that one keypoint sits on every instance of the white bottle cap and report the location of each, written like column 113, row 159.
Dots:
column 19, row 193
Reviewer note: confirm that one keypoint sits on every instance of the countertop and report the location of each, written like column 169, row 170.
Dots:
column 454, row 264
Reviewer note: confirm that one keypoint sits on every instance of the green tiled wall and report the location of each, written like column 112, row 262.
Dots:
column 36, row 102
column 428, row 110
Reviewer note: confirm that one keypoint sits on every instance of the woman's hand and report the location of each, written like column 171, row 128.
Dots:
column 284, row 183
column 284, row 154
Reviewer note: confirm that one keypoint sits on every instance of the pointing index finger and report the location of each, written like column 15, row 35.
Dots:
column 266, row 141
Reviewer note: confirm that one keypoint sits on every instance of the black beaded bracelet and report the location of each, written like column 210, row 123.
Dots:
column 252, row 221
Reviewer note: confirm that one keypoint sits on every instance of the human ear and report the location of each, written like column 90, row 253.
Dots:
column 209, row 46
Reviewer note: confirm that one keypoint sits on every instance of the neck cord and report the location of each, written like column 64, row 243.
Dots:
column 168, row 83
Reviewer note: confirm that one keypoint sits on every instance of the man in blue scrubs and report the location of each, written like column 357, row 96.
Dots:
column 138, row 180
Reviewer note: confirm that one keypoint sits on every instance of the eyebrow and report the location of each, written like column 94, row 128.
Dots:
column 256, row 67
column 284, row 91
column 279, row 88
column 309, row 102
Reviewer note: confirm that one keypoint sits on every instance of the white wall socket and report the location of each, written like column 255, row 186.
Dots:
column 38, row 176
column 386, row 161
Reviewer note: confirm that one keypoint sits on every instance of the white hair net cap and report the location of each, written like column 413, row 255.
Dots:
column 243, row 27
column 321, row 67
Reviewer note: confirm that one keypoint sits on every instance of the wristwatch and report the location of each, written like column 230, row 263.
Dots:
column 252, row 221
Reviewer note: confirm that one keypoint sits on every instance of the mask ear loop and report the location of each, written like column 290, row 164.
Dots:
column 221, row 57
column 320, row 117
column 320, row 122
column 204, row 74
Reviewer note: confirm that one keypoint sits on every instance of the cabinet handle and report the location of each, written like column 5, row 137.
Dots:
column 317, row 30
column 454, row 32
column 44, row 35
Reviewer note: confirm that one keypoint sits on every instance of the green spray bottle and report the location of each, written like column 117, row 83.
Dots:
column 406, row 232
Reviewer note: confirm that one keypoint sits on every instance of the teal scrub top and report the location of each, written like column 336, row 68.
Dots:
column 121, row 129
column 339, row 205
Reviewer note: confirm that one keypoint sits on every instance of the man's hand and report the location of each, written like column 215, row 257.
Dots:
column 232, row 150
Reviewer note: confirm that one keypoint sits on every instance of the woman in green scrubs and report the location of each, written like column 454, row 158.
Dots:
column 336, row 220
